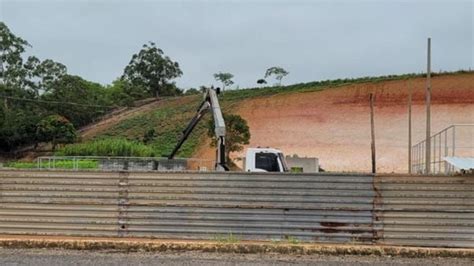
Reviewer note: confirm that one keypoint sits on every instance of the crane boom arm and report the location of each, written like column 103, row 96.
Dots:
column 192, row 124
column 210, row 103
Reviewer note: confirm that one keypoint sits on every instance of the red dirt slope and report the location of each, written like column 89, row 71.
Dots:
column 334, row 124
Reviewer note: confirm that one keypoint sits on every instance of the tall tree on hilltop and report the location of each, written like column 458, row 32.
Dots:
column 152, row 70
column 278, row 72
column 224, row 78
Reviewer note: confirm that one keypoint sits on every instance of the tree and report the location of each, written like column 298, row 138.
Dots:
column 152, row 70
column 41, row 75
column 224, row 78
column 278, row 72
column 90, row 99
column 33, row 75
column 56, row 129
column 123, row 93
column 261, row 81
column 11, row 62
column 237, row 133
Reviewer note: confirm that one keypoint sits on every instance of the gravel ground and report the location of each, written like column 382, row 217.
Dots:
column 48, row 257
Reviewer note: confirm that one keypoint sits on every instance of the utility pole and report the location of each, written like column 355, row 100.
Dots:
column 410, row 90
column 372, row 132
column 428, row 112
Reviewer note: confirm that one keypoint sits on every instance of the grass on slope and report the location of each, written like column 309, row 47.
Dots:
column 168, row 121
column 233, row 95
column 107, row 147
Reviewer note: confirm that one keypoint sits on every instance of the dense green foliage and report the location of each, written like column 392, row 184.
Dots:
column 31, row 89
column 107, row 147
column 152, row 70
column 55, row 129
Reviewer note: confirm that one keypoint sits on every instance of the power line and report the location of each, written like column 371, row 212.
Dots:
column 56, row 102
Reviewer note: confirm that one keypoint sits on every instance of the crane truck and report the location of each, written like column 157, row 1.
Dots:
column 256, row 159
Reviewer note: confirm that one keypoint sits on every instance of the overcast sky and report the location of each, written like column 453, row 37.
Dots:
column 313, row 40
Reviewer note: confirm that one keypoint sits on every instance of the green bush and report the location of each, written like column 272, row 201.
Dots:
column 107, row 147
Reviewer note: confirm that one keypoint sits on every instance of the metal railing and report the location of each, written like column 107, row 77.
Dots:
column 123, row 163
column 455, row 140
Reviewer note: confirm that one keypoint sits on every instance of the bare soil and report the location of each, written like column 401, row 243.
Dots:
column 334, row 124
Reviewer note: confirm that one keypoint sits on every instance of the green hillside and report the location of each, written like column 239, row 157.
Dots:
column 171, row 117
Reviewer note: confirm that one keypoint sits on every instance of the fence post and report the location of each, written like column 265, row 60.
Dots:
column 372, row 132
column 428, row 111
column 446, row 170
column 439, row 154
column 409, row 128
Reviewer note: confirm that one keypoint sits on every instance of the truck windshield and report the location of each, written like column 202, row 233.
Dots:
column 283, row 162
column 267, row 162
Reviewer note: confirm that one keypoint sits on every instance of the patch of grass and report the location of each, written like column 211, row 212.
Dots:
column 275, row 241
column 107, row 147
column 21, row 165
column 230, row 238
column 58, row 164
column 292, row 240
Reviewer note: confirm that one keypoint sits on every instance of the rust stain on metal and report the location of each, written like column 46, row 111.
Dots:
column 332, row 224
column 377, row 204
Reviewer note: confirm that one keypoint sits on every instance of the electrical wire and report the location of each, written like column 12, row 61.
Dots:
column 56, row 102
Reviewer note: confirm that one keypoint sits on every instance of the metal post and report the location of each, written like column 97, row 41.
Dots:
column 372, row 132
column 446, row 170
column 454, row 140
column 417, row 156
column 434, row 153
column 439, row 154
column 428, row 111
column 422, row 156
column 409, row 126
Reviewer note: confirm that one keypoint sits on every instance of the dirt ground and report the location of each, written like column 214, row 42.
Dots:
column 46, row 257
column 334, row 125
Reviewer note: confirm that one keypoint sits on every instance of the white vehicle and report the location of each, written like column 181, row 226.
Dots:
column 257, row 159
column 265, row 160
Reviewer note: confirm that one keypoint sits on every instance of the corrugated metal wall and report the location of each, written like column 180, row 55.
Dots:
column 426, row 210
column 429, row 211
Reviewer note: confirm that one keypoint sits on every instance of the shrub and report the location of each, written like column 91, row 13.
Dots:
column 107, row 147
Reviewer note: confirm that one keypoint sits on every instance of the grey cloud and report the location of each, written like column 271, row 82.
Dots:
column 313, row 40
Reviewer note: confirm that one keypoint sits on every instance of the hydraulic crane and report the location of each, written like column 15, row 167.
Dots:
column 210, row 103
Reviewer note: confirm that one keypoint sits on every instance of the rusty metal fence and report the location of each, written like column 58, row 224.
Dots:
column 342, row 208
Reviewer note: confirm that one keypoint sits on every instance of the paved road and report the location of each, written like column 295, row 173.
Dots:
column 44, row 257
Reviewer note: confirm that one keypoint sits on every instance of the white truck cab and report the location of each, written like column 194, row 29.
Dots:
column 265, row 160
